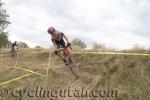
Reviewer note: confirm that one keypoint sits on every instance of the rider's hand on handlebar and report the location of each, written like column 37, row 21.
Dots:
column 68, row 44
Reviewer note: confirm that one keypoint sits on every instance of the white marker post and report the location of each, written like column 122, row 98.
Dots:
column 49, row 61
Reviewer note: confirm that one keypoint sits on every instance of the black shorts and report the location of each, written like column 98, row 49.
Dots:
column 60, row 44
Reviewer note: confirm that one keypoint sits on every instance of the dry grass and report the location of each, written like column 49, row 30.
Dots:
column 130, row 75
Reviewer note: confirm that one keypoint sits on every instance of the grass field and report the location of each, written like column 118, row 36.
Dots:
column 127, row 75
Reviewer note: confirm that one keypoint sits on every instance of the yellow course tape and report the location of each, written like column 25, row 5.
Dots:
column 15, row 79
column 31, row 71
column 113, row 53
column 27, row 71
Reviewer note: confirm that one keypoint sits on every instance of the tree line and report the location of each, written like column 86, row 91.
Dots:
column 4, row 22
column 3, row 25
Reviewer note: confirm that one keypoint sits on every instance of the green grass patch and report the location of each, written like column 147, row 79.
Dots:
column 128, row 81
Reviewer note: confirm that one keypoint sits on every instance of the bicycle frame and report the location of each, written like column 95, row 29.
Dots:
column 68, row 57
column 67, row 54
column 13, row 52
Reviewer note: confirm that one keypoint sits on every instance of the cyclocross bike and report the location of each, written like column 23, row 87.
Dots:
column 73, row 67
column 14, row 52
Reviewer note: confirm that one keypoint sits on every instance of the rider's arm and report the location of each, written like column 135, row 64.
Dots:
column 10, row 46
column 66, row 38
column 54, row 43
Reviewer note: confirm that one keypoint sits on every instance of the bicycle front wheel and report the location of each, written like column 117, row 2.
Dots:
column 75, row 70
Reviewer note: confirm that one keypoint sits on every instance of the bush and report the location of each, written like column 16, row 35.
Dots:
column 78, row 42
column 76, row 48
column 99, row 47
column 3, row 40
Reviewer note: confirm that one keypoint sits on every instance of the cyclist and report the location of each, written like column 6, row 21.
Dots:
column 58, row 41
column 13, row 46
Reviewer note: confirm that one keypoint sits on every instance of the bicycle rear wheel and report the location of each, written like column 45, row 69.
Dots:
column 75, row 70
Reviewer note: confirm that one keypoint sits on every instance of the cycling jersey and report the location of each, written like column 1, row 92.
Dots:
column 58, row 39
column 13, row 45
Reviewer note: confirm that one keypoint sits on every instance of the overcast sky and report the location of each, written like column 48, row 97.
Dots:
column 116, row 23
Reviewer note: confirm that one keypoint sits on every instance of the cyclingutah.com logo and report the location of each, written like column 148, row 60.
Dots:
column 42, row 92
column 3, row 92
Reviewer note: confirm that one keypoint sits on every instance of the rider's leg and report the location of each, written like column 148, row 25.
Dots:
column 12, row 52
column 68, row 52
column 60, row 54
column 63, row 56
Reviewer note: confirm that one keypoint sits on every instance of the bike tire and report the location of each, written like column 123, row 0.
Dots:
column 75, row 70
